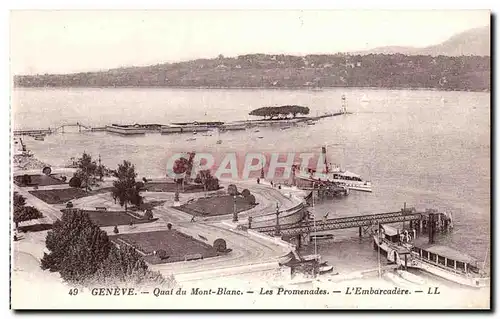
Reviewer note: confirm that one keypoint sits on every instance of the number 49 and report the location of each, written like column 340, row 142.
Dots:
column 73, row 292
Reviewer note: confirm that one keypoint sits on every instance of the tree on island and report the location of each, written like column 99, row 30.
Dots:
column 125, row 189
column 23, row 213
column 86, row 171
column 209, row 182
column 280, row 111
column 83, row 254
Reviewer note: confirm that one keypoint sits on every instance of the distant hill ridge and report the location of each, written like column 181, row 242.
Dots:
column 409, row 68
column 473, row 42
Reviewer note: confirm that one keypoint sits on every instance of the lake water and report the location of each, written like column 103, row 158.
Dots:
column 429, row 149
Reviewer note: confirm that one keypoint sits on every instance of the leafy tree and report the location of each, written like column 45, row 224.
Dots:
column 280, row 111
column 86, row 170
column 83, row 254
column 19, row 200
column 161, row 253
column 139, row 185
column 251, row 199
column 180, row 167
column 169, row 226
column 124, row 266
column 115, row 230
column 208, row 181
column 149, row 214
column 77, row 247
column 75, row 181
column 22, row 212
column 245, row 193
column 125, row 188
column 232, row 190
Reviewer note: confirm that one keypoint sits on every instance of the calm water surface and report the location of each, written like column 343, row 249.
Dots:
column 426, row 148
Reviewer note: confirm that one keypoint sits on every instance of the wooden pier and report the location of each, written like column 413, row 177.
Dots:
column 420, row 221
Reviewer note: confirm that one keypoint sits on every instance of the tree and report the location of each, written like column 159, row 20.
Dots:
column 250, row 199
column 86, row 170
column 115, row 230
column 280, row 111
column 161, row 253
column 232, row 190
column 169, row 226
column 75, row 181
column 22, row 212
column 83, row 254
column 124, row 266
column 245, row 193
column 205, row 178
column 180, row 167
column 148, row 214
column 220, row 245
column 77, row 247
column 125, row 188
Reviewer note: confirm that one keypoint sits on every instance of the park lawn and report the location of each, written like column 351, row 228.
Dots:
column 176, row 244
column 61, row 196
column 39, row 180
column 217, row 205
column 169, row 187
column 104, row 218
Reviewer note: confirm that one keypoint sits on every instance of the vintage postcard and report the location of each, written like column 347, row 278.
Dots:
column 250, row 159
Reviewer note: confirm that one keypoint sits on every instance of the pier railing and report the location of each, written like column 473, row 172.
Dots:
column 342, row 223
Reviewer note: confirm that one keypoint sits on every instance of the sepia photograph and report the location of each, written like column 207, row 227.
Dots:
column 250, row 159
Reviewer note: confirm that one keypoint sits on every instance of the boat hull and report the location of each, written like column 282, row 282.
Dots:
column 439, row 271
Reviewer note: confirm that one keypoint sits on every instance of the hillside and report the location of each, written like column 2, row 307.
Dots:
column 471, row 42
column 468, row 73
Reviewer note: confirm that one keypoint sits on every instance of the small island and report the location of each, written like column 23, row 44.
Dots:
column 280, row 112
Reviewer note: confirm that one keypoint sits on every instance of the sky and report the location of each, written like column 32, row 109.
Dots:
column 75, row 41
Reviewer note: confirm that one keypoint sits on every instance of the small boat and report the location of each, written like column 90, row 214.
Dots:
column 260, row 136
column 398, row 281
column 191, row 139
column 325, row 269
column 364, row 99
column 257, row 131
column 39, row 138
column 438, row 260
column 285, row 128
column 219, row 141
column 321, row 236
column 410, row 277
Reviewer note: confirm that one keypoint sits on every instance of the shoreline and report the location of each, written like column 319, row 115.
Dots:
column 290, row 88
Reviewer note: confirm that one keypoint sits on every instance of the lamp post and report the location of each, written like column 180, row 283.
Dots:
column 278, row 230
column 235, row 214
